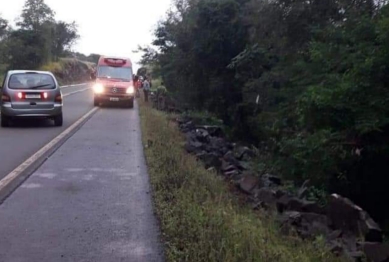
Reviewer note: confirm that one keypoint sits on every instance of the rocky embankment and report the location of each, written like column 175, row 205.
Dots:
column 71, row 70
column 348, row 230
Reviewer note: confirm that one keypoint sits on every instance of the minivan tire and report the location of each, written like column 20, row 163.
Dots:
column 58, row 120
column 4, row 121
column 96, row 102
column 131, row 103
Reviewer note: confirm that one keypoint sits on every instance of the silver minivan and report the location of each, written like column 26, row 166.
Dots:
column 32, row 94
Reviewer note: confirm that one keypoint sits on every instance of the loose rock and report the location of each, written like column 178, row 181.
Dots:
column 343, row 213
column 232, row 174
column 194, row 147
column 267, row 196
column 348, row 217
column 244, row 153
column 248, row 183
column 187, row 127
column 202, row 135
column 211, row 160
column 369, row 228
column 341, row 222
column 289, row 203
column 376, row 252
column 271, row 180
column 229, row 157
column 215, row 131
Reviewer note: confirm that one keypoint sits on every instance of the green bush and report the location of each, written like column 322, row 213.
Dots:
column 304, row 81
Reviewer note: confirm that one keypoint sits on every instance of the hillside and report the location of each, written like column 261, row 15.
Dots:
column 70, row 70
column 66, row 70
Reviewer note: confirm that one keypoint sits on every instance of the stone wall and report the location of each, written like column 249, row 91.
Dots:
column 347, row 229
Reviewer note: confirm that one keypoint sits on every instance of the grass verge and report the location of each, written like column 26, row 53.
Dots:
column 200, row 219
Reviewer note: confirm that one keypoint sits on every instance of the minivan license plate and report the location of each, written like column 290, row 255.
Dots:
column 33, row 96
column 113, row 99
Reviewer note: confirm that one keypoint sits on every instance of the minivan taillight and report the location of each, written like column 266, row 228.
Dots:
column 58, row 99
column 5, row 98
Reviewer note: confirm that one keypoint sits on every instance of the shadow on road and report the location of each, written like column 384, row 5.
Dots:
column 31, row 123
column 114, row 106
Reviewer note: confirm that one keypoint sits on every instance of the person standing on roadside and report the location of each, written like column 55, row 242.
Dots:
column 136, row 85
column 146, row 89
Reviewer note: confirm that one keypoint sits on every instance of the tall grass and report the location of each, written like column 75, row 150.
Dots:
column 200, row 219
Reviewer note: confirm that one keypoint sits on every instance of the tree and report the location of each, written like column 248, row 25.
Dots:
column 196, row 46
column 142, row 71
column 24, row 49
column 3, row 34
column 3, row 27
column 35, row 13
column 65, row 34
column 149, row 55
column 94, row 58
column 38, row 40
column 38, row 17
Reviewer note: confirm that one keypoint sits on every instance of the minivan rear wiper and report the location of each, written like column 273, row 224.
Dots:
column 36, row 87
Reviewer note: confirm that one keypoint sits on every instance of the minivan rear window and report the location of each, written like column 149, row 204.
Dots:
column 31, row 81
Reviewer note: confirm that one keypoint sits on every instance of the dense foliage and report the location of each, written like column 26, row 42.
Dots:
column 37, row 39
column 305, row 81
column 93, row 58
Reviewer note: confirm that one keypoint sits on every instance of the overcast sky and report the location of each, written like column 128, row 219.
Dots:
column 108, row 27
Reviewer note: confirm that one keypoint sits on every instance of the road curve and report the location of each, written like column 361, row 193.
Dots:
column 90, row 201
column 22, row 140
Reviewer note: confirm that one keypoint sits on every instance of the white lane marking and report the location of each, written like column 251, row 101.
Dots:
column 46, row 175
column 73, row 170
column 31, row 185
column 22, row 167
column 73, row 85
column 75, row 92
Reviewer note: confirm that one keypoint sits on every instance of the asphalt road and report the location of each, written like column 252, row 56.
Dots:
column 90, row 201
column 20, row 141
